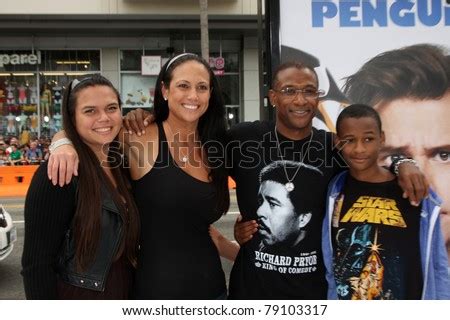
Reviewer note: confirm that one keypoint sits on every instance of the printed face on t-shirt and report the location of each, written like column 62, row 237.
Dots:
column 279, row 223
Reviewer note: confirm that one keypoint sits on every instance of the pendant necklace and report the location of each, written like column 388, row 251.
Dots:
column 184, row 158
column 290, row 185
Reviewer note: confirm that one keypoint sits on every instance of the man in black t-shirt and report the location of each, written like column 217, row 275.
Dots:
column 280, row 270
column 283, row 260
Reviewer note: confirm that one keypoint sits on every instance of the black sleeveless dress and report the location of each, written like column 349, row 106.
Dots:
column 177, row 258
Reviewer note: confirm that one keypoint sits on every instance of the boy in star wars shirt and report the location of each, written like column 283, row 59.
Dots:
column 376, row 245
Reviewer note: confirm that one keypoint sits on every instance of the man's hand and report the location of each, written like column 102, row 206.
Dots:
column 136, row 121
column 413, row 182
column 243, row 231
column 62, row 165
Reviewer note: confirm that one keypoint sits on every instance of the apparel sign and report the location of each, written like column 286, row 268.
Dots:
column 19, row 59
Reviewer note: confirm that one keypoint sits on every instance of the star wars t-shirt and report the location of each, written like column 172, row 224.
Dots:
column 376, row 243
column 283, row 260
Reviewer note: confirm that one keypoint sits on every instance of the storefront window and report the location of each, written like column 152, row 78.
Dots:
column 137, row 90
column 31, row 88
column 70, row 60
column 51, row 91
column 18, row 103
column 226, row 68
column 58, row 68
column 229, row 83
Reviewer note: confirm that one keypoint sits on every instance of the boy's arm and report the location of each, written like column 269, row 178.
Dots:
column 328, row 259
column 441, row 264
column 327, row 246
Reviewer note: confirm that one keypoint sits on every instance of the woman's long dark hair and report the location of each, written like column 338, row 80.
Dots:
column 211, row 126
column 87, row 219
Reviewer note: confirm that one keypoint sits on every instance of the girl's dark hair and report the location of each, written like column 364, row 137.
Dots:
column 211, row 126
column 87, row 219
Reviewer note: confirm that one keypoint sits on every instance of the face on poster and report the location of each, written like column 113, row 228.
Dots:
column 341, row 36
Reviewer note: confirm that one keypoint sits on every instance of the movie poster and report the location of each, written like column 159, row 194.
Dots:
column 390, row 54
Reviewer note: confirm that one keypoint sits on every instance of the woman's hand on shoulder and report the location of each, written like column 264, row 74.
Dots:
column 63, row 165
column 137, row 120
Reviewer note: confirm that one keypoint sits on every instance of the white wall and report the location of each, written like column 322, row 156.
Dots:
column 125, row 7
column 250, row 79
column 110, row 66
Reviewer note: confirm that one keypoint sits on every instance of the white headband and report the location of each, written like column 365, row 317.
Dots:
column 179, row 56
column 76, row 82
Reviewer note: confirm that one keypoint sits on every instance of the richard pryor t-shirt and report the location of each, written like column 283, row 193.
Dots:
column 283, row 260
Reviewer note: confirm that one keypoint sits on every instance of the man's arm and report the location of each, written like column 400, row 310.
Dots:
column 137, row 120
column 412, row 181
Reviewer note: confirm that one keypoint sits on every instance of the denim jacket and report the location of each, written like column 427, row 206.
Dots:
column 95, row 276
column 434, row 261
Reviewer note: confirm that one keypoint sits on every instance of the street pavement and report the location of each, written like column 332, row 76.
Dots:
column 11, row 286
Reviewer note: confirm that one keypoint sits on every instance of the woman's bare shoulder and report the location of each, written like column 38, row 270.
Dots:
column 142, row 151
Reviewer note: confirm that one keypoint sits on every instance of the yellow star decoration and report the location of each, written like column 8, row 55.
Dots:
column 375, row 247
